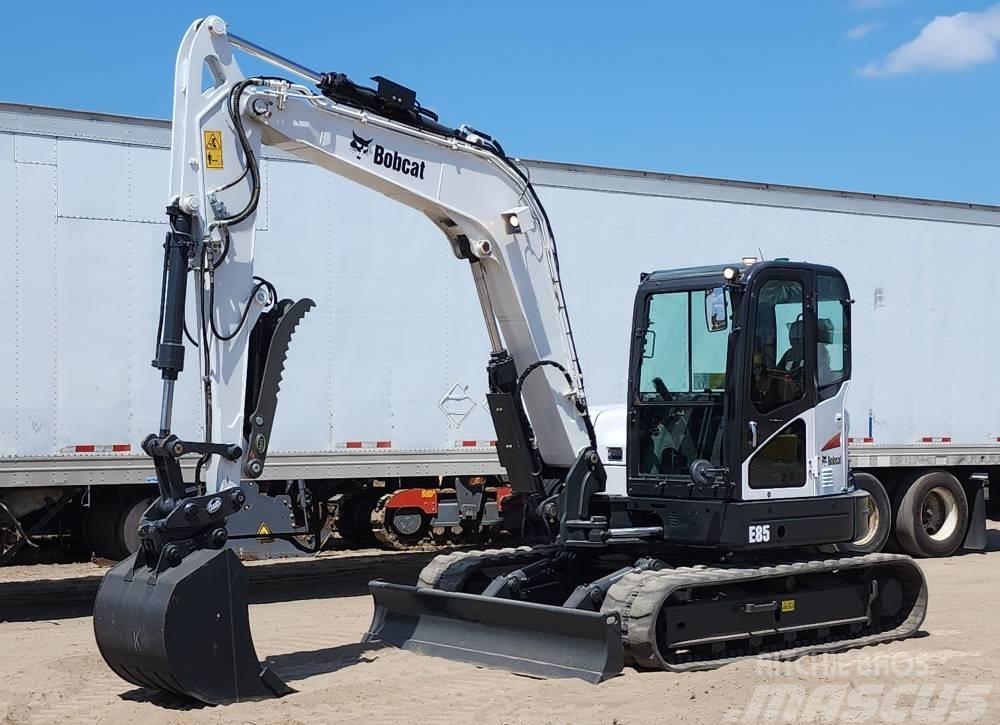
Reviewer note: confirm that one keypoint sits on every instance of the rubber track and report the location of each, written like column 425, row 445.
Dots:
column 449, row 572
column 638, row 598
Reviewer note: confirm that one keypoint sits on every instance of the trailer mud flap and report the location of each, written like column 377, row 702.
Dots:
column 184, row 629
column 523, row 637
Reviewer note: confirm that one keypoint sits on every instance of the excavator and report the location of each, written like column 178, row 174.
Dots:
column 680, row 532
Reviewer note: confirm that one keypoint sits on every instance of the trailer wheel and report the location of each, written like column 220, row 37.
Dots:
column 354, row 517
column 101, row 528
column 932, row 516
column 128, row 524
column 879, row 517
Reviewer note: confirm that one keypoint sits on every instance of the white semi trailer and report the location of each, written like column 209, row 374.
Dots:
column 385, row 413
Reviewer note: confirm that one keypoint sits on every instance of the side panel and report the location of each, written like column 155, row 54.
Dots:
column 922, row 332
column 396, row 326
column 394, row 352
column 30, row 368
column 831, row 442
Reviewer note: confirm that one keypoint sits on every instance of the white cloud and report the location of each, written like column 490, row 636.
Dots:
column 947, row 43
column 860, row 31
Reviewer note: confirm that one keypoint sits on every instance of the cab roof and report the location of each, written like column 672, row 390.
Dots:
column 714, row 271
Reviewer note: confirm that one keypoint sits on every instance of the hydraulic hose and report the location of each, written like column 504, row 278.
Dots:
column 581, row 408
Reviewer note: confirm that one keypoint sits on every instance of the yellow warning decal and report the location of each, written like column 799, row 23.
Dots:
column 428, row 493
column 213, row 149
column 263, row 530
column 787, row 605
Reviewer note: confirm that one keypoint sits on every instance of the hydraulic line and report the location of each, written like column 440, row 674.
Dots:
column 569, row 380
column 233, row 107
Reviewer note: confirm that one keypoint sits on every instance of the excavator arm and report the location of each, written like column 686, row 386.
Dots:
column 381, row 138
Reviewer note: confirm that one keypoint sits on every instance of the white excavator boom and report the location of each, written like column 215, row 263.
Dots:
column 463, row 183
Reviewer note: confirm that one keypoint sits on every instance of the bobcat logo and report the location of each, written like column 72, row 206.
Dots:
column 360, row 145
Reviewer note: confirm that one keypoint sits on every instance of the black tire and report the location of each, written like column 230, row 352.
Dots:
column 101, row 528
column 879, row 518
column 932, row 516
column 128, row 524
column 354, row 517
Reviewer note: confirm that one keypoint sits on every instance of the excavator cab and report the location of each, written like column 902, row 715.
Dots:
column 738, row 382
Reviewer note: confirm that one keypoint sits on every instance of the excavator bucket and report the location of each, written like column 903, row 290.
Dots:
column 184, row 629
column 523, row 637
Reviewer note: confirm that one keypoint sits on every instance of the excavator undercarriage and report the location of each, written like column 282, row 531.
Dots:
column 541, row 615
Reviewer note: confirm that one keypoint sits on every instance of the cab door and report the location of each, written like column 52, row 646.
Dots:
column 778, row 401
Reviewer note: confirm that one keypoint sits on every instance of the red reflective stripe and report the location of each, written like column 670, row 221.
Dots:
column 946, row 439
column 85, row 448
column 468, row 444
column 352, row 444
column 121, row 447
column 383, row 444
column 493, row 444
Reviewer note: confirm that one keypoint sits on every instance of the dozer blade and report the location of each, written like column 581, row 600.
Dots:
column 523, row 637
column 184, row 629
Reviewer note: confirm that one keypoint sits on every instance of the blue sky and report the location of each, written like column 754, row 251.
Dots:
column 885, row 96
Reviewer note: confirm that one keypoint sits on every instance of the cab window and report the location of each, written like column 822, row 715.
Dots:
column 777, row 368
column 682, row 380
column 781, row 462
column 832, row 340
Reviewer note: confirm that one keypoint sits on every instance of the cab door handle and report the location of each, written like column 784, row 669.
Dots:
column 753, row 434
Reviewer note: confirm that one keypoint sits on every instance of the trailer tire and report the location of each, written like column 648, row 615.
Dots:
column 354, row 517
column 932, row 516
column 128, row 524
column 101, row 527
column 879, row 518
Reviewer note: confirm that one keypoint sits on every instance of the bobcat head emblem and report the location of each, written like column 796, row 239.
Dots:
column 360, row 145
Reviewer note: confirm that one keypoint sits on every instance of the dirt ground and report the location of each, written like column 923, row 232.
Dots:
column 308, row 617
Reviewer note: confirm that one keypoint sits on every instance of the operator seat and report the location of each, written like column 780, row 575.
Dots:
column 794, row 357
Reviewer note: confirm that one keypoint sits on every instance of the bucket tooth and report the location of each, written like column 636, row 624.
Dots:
column 523, row 637
column 184, row 629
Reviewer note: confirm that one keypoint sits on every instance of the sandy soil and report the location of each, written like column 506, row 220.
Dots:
column 309, row 615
